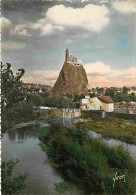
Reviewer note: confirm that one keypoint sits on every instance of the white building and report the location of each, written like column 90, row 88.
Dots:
column 98, row 103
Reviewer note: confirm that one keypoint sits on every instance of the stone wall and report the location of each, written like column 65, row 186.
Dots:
column 71, row 113
column 60, row 113
column 123, row 116
column 95, row 114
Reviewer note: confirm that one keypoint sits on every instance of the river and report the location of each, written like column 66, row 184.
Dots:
column 23, row 144
column 115, row 142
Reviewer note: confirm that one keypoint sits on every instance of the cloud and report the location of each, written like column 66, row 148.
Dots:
column 98, row 73
column 57, row 18
column 12, row 46
column 102, row 75
column 42, row 77
column 45, row 27
column 5, row 23
column 20, row 30
column 125, row 7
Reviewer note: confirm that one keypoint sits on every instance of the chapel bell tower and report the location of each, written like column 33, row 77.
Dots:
column 66, row 55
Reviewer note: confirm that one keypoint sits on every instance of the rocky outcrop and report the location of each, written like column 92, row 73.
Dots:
column 72, row 81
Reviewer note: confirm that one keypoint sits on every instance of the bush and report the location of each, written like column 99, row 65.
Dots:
column 37, row 100
column 9, row 183
column 59, row 102
column 63, row 187
column 89, row 162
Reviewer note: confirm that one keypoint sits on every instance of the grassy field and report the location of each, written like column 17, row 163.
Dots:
column 88, row 163
column 122, row 130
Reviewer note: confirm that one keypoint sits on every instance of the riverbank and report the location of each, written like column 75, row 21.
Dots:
column 121, row 130
column 29, row 123
column 87, row 162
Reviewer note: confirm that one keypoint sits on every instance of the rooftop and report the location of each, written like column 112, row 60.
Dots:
column 106, row 99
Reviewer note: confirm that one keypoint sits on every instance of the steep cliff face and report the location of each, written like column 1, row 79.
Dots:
column 72, row 81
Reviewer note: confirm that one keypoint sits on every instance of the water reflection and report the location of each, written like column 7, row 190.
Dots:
column 24, row 132
column 64, row 122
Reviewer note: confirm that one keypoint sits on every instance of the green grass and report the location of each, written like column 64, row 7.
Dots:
column 87, row 162
column 122, row 130
column 44, row 119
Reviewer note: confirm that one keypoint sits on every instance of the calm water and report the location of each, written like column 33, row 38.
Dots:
column 23, row 144
column 114, row 142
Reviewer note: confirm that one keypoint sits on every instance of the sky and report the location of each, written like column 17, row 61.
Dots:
column 100, row 33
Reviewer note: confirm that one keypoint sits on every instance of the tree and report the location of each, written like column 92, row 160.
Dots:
column 10, row 84
column 125, row 90
column 9, row 183
column 37, row 100
column 110, row 92
column 132, row 96
column 15, row 107
column 59, row 102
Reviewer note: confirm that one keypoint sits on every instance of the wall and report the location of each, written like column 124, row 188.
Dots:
column 108, row 107
column 91, row 103
column 60, row 113
column 123, row 116
column 96, row 102
column 98, row 114
column 71, row 113
column 52, row 113
column 93, row 114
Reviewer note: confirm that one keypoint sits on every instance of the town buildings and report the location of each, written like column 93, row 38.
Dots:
column 32, row 88
column 98, row 103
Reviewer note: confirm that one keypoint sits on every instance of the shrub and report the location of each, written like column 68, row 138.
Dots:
column 37, row 100
column 9, row 183
column 89, row 162
column 63, row 187
column 59, row 102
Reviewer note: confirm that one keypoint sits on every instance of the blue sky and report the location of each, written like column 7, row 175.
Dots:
column 102, row 34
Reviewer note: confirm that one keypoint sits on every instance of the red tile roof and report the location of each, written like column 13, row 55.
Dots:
column 106, row 99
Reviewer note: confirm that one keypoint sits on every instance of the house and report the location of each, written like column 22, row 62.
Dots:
column 106, row 103
column 98, row 103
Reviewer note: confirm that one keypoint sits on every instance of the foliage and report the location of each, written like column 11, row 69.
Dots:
column 59, row 102
column 121, row 96
column 9, row 183
column 110, row 92
column 10, row 84
column 125, row 90
column 37, row 100
column 78, row 97
column 63, row 187
column 21, row 112
column 92, row 95
column 17, row 109
column 89, row 162
column 124, row 131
